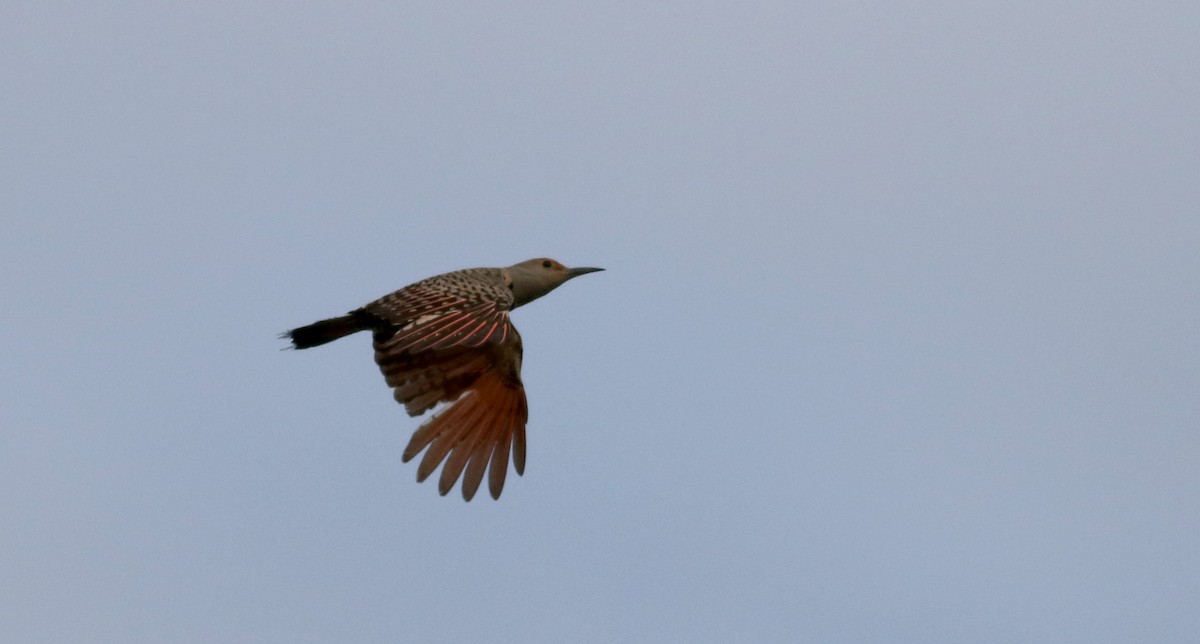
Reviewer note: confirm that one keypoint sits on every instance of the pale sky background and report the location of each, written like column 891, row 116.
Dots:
column 899, row 339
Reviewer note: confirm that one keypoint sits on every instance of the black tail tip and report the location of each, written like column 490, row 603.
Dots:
column 321, row 332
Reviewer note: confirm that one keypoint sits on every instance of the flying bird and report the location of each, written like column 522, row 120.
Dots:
column 448, row 338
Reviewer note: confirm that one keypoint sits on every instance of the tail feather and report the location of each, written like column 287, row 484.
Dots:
column 324, row 331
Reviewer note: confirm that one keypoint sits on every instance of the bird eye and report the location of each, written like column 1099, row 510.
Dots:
column 545, row 263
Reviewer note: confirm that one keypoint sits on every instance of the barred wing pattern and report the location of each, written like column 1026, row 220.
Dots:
column 463, row 309
column 450, row 341
column 449, row 327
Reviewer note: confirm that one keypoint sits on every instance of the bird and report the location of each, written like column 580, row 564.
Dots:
column 449, row 339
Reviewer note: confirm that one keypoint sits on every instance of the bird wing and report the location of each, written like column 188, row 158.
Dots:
column 485, row 421
column 464, row 326
column 474, row 434
column 425, row 318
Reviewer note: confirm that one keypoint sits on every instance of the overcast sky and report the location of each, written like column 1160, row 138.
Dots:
column 899, row 339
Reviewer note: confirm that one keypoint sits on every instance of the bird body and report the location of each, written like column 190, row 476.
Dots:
column 448, row 339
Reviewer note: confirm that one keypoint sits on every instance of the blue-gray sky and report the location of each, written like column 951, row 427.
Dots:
column 899, row 340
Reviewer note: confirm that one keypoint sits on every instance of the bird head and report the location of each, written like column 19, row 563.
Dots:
column 534, row 278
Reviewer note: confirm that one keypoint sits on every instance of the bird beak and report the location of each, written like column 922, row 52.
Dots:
column 576, row 272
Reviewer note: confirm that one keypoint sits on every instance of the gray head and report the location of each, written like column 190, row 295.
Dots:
column 534, row 278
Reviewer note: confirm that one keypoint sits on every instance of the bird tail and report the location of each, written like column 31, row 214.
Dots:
column 324, row 331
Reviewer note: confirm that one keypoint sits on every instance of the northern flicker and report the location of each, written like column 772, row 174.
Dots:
column 448, row 338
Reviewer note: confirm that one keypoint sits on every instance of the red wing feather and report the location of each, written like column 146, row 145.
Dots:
column 474, row 432
column 469, row 326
